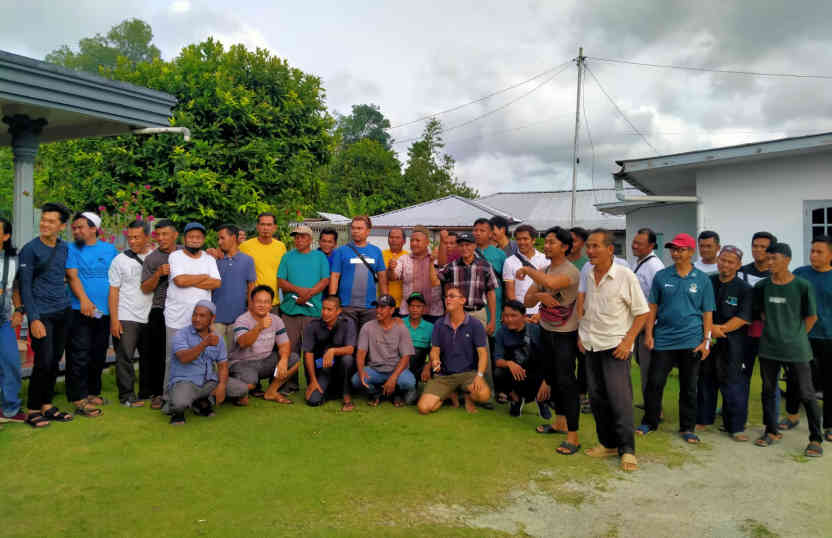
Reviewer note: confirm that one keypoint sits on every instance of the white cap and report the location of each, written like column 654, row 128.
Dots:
column 96, row 220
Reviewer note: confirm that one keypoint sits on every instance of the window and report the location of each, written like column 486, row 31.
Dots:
column 818, row 221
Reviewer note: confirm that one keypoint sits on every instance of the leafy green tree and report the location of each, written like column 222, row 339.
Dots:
column 365, row 178
column 430, row 173
column 6, row 182
column 131, row 40
column 365, row 122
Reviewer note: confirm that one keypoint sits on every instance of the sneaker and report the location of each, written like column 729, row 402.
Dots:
column 544, row 410
column 515, row 409
column 133, row 403
column 177, row 418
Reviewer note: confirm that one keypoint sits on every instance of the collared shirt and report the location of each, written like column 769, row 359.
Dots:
column 610, row 308
column 458, row 347
column 519, row 346
column 200, row 370
column 405, row 273
column 304, row 270
column 231, row 297
column 125, row 273
column 588, row 267
column 273, row 335
column 707, row 268
column 317, row 337
column 646, row 269
column 151, row 264
column 421, row 334
column 513, row 263
column 497, row 258
column 474, row 280
column 681, row 301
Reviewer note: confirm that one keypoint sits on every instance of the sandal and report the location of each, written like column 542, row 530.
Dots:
column 813, row 450
column 242, row 401
column 568, row 448
column 629, row 463
column 374, row 402
column 547, row 429
column 398, row 402
column 787, row 424
column 36, row 420
column 348, row 406
column 827, row 435
column 156, row 402
column 740, row 437
column 97, row 400
column 691, row 438
column 766, row 440
column 502, row 398
column 56, row 415
column 643, row 430
column 87, row 409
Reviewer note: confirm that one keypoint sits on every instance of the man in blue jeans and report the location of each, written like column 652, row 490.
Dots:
column 383, row 357
column 9, row 319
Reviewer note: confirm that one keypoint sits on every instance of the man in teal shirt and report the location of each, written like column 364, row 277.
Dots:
column 496, row 257
column 303, row 275
column 420, row 333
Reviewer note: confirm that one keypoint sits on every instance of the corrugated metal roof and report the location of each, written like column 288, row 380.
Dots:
column 450, row 211
column 333, row 217
column 553, row 208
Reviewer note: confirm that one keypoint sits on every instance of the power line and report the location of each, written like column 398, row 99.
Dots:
column 711, row 69
column 620, row 112
column 510, row 129
column 492, row 111
column 483, row 98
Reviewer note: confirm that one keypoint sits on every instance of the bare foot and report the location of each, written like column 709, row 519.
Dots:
column 277, row 397
column 629, row 463
column 455, row 400
column 469, row 405
column 601, row 451
column 348, row 406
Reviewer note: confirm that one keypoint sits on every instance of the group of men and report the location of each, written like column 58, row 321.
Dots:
column 482, row 317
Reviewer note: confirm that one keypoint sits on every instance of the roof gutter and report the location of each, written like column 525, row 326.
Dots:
column 619, row 193
column 184, row 131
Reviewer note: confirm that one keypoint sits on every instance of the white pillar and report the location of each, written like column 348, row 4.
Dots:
column 25, row 140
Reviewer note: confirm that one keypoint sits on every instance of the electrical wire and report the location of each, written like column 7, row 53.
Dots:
column 710, row 69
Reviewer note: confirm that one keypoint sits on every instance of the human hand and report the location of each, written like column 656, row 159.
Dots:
column 718, row 331
column 517, row 371
column 363, row 377
column 544, row 392
column 648, row 341
column 329, row 358
column 389, row 386
column 520, row 274
column 17, row 320
column 211, row 339
column 87, row 308
column 581, row 346
column 491, row 327
column 311, row 388
column 622, row 352
column 266, row 322
column 37, row 329
column 477, row 384
column 282, row 368
column 704, row 349
column 163, row 269
column 115, row 328
column 219, row 393
column 426, row 373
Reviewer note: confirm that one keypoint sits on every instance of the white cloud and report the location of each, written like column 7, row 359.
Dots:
column 180, row 6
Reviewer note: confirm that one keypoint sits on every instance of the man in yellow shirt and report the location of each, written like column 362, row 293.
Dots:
column 267, row 253
column 395, row 240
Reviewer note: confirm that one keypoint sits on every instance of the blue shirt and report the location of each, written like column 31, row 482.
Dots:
column 421, row 335
column 681, row 302
column 93, row 265
column 47, row 293
column 822, row 283
column 517, row 346
column 304, row 270
column 235, row 273
column 356, row 286
column 458, row 348
column 200, row 370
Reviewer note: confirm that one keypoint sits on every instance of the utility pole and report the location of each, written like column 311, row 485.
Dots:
column 580, row 62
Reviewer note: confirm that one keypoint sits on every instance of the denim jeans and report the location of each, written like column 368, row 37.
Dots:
column 375, row 380
column 9, row 371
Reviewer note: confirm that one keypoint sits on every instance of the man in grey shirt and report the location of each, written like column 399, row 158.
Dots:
column 384, row 351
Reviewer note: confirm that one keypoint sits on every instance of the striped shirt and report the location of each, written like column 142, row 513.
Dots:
column 275, row 334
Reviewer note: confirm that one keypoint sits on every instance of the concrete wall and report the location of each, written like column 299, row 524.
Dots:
column 667, row 220
column 738, row 200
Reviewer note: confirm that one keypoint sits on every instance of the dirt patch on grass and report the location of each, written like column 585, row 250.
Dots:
column 730, row 489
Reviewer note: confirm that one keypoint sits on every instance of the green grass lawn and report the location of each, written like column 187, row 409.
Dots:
column 270, row 470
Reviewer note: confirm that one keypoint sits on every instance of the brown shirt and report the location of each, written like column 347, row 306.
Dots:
column 566, row 298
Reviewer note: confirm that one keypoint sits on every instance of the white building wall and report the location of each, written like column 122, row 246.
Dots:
column 740, row 199
column 667, row 220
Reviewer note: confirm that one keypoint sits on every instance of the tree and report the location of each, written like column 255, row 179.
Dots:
column 131, row 40
column 365, row 122
column 365, row 178
column 430, row 173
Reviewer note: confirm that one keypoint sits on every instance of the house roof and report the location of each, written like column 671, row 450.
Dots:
column 76, row 104
column 451, row 211
column 544, row 209
column 333, row 217
column 675, row 174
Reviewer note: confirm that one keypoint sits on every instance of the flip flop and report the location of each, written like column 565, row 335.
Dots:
column 547, row 429
column 787, row 424
column 740, row 437
column 629, row 459
column 37, row 420
column 56, row 415
column 348, row 406
column 827, row 435
column 691, row 438
column 569, row 447
column 813, row 450
column 766, row 440
column 643, row 430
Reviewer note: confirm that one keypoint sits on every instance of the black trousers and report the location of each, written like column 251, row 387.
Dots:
column 341, row 370
column 800, row 376
column 560, row 351
column 86, row 355
column 583, row 383
column 133, row 336
column 821, row 366
column 152, row 363
column 418, row 361
column 526, row 389
column 661, row 363
column 48, row 351
column 611, row 399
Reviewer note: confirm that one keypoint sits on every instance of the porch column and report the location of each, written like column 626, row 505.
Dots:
column 25, row 133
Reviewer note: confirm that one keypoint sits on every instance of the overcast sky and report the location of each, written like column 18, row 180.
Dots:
column 418, row 58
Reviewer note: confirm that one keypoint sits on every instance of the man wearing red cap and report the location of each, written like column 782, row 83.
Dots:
column 678, row 331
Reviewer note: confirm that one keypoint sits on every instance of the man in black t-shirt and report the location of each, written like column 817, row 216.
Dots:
column 328, row 348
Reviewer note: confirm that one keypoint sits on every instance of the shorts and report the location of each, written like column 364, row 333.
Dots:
column 443, row 386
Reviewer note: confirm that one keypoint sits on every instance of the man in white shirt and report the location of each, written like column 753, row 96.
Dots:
column 708, row 252
column 193, row 275
column 526, row 254
column 129, row 312
column 615, row 312
column 645, row 267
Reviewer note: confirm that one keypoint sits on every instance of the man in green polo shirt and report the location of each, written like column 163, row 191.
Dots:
column 420, row 334
column 788, row 306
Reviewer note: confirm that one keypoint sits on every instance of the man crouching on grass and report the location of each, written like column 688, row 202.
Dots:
column 195, row 350
column 459, row 354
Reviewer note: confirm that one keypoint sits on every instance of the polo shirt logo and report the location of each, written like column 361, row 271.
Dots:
column 777, row 300
column 732, row 301
column 693, row 288
column 668, row 285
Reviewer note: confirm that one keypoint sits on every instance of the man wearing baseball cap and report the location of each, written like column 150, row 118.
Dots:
column 678, row 330
column 383, row 356
column 420, row 334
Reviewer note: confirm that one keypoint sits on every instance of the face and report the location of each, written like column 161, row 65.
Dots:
column 241, row 236
column 202, row 318
column 524, row 242
column 302, row 241
column 758, row 250
column 577, row 242
column 553, row 248
column 50, row 224
column 482, row 233
column 821, row 255
column 383, row 313
column 416, row 308
column 329, row 311
column 418, row 243
column 260, row 304
column 194, row 239
column 597, row 251
column 513, row 319
column 499, row 233
column 641, row 246
column 359, row 231
column 778, row 263
column 395, row 240
column 454, row 301
column 136, row 239
column 167, row 237
column 452, row 243
column 680, row 254
column 82, row 231
column 468, row 249
column 708, row 249
column 266, row 227
column 226, row 241
column 728, row 264
column 327, row 243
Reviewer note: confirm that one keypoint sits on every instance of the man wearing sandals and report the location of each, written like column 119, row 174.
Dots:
column 45, row 300
column 383, row 357
column 614, row 313
column 678, row 331
column 256, row 335
column 789, row 310
column 197, row 350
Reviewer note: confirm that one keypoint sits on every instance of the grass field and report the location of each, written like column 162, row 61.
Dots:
column 273, row 470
